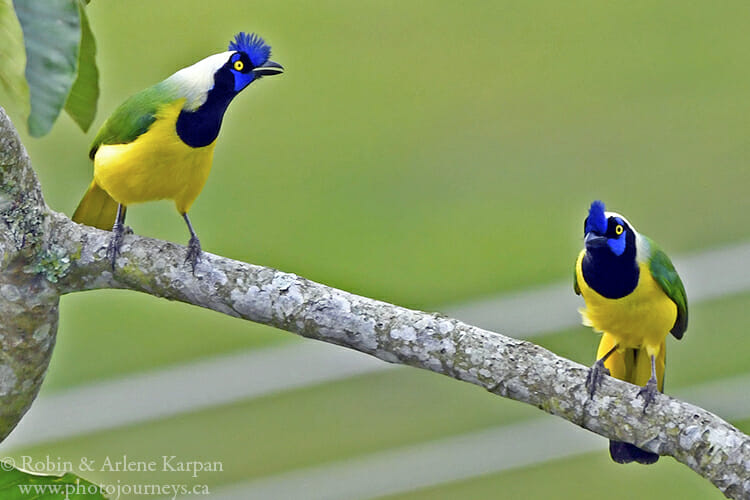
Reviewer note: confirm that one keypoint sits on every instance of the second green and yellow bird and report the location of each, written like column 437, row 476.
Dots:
column 159, row 143
column 635, row 298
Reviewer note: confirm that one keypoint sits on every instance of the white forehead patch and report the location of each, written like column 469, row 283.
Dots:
column 615, row 214
column 194, row 82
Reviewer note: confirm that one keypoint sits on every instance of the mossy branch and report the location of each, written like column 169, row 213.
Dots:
column 52, row 256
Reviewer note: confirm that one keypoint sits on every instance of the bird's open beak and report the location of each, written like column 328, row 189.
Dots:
column 593, row 241
column 268, row 68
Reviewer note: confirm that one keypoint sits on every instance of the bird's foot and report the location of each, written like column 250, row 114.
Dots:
column 115, row 242
column 595, row 376
column 193, row 252
column 648, row 393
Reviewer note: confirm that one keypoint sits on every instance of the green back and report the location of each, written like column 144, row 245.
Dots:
column 665, row 274
column 133, row 117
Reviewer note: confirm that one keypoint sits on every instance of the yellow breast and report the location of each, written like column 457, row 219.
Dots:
column 641, row 319
column 155, row 166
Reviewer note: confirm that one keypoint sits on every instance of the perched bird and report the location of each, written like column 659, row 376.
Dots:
column 635, row 298
column 159, row 143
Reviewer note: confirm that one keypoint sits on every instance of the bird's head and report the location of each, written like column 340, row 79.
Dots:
column 249, row 60
column 222, row 76
column 608, row 232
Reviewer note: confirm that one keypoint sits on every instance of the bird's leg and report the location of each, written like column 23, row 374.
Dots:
column 598, row 371
column 194, row 245
column 648, row 391
column 118, row 230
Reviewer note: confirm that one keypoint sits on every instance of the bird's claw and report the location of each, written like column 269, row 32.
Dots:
column 193, row 252
column 648, row 393
column 595, row 377
column 115, row 242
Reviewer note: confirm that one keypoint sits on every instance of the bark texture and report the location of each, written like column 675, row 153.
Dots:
column 45, row 254
column 28, row 299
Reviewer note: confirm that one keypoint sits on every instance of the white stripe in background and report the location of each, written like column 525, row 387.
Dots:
column 230, row 378
column 460, row 457
column 426, row 464
column 186, row 388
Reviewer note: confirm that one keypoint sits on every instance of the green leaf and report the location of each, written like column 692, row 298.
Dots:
column 19, row 485
column 81, row 103
column 51, row 32
column 12, row 60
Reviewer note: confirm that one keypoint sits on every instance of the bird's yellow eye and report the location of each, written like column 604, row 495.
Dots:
column 619, row 229
column 239, row 65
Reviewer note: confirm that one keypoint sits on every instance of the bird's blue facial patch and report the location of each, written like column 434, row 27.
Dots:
column 242, row 70
column 617, row 244
column 251, row 52
column 596, row 222
column 253, row 46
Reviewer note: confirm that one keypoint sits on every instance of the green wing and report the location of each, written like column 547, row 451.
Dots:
column 133, row 117
column 665, row 274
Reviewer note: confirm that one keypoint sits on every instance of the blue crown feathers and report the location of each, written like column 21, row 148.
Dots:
column 256, row 49
column 596, row 221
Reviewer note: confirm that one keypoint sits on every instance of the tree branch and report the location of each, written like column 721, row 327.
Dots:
column 71, row 257
column 28, row 301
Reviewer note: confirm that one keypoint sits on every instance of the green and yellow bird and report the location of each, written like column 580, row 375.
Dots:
column 635, row 298
column 159, row 143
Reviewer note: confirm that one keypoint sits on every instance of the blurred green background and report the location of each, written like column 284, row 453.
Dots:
column 424, row 153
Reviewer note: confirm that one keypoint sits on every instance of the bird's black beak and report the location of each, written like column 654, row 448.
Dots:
column 268, row 68
column 593, row 241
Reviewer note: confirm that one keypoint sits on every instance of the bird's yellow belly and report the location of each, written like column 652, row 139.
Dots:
column 641, row 319
column 155, row 166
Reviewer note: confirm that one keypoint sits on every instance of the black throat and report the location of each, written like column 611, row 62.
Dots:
column 611, row 276
column 201, row 127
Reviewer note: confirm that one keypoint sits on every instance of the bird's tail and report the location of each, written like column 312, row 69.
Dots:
column 97, row 208
column 624, row 453
column 634, row 366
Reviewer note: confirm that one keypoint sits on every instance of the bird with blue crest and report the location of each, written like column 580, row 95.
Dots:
column 159, row 143
column 635, row 297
